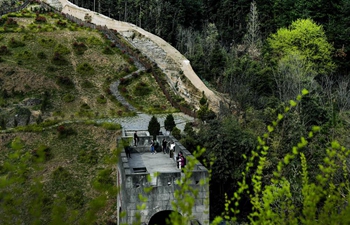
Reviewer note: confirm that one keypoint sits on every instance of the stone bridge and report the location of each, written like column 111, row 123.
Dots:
column 132, row 177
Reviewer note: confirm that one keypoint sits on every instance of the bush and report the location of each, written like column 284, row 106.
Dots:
column 61, row 49
column 101, row 99
column 10, row 22
column 13, row 43
column 93, row 41
column 42, row 153
column 85, row 106
column 108, row 51
column 61, row 23
column 64, row 81
column 47, row 43
column 26, row 55
column 64, row 132
column 58, row 59
column 142, row 89
column 4, row 50
column 88, row 157
column 176, row 132
column 68, row 98
column 79, row 48
column 40, row 19
column 85, row 69
column 41, row 55
column 87, row 84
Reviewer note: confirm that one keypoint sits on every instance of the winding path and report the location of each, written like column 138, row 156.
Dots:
column 123, row 27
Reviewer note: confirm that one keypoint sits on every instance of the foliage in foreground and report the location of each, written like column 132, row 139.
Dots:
column 324, row 197
column 63, row 175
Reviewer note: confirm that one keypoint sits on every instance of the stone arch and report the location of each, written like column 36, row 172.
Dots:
column 160, row 217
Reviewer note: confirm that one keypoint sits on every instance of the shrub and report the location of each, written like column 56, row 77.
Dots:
column 68, row 98
column 124, row 81
column 41, row 55
column 87, row 84
column 58, row 59
column 93, row 41
column 26, row 55
column 76, row 199
column 10, row 22
column 47, row 43
column 64, row 81
column 101, row 99
column 40, row 19
column 79, row 48
column 61, row 49
column 61, row 23
column 108, row 51
column 142, row 89
column 42, row 153
column 4, row 50
column 85, row 69
column 50, row 69
column 64, row 132
column 13, row 43
column 85, row 106
column 88, row 157
column 60, row 175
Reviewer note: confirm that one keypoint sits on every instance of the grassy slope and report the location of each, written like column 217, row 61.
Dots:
column 68, row 174
column 66, row 183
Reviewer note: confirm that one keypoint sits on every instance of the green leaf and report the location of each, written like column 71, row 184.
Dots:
column 304, row 92
column 292, row 103
column 280, row 116
column 270, row 128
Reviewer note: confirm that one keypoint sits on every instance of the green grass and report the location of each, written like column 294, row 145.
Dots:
column 70, row 172
column 143, row 93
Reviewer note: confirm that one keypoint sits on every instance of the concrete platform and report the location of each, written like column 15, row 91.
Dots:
column 159, row 162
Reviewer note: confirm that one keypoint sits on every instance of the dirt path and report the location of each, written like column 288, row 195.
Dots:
column 179, row 61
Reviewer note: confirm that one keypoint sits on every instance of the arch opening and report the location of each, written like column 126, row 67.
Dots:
column 160, row 217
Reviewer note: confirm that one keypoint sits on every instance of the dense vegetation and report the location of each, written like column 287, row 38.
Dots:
column 57, row 163
column 262, row 55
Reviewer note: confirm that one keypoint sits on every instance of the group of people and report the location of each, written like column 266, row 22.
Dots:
column 167, row 147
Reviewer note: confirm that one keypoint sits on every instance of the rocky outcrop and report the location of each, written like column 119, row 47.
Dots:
column 20, row 115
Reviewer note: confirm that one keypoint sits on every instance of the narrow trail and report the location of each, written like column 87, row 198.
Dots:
column 115, row 92
column 178, row 60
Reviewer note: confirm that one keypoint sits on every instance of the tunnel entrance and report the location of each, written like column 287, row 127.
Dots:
column 160, row 217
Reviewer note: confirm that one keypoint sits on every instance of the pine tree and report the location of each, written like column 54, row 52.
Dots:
column 169, row 123
column 154, row 127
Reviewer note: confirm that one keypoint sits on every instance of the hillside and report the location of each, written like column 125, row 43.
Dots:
column 54, row 69
column 55, row 83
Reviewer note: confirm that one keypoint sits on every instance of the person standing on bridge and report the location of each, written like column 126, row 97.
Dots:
column 164, row 144
column 152, row 147
column 136, row 138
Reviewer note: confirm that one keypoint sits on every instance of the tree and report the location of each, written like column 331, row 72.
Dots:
column 252, row 38
column 153, row 127
column 306, row 39
column 176, row 132
column 169, row 123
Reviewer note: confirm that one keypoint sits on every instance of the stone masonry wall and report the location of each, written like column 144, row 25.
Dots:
column 162, row 193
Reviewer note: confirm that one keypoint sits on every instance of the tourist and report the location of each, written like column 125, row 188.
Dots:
column 136, row 138
column 128, row 151
column 152, row 147
column 164, row 145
